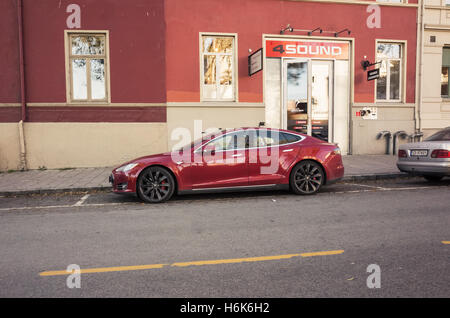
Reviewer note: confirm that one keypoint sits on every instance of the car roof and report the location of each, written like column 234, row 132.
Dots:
column 261, row 128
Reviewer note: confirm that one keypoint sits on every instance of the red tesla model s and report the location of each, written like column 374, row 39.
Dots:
column 238, row 159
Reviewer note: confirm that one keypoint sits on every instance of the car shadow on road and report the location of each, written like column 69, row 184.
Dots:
column 337, row 188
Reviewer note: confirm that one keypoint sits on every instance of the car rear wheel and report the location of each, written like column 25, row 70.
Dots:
column 155, row 185
column 307, row 177
column 433, row 178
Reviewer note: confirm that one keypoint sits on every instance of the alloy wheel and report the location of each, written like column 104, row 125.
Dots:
column 155, row 185
column 307, row 178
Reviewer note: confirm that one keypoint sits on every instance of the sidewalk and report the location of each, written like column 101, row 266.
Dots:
column 358, row 167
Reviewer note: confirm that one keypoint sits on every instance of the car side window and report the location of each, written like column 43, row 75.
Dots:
column 231, row 141
column 268, row 138
column 291, row 138
column 283, row 139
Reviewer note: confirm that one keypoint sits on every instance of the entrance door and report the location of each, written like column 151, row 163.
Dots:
column 308, row 97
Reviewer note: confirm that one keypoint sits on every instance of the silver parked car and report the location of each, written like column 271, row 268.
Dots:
column 429, row 158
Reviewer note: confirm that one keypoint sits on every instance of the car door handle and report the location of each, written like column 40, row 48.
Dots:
column 287, row 150
column 237, row 155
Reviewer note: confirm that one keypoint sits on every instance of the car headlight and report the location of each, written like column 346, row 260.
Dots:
column 127, row 167
column 337, row 150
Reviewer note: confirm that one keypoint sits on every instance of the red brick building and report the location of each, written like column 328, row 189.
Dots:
column 97, row 82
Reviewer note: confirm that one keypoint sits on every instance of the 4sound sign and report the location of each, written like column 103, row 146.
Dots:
column 307, row 49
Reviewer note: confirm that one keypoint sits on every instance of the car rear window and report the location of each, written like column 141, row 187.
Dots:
column 291, row 138
column 443, row 135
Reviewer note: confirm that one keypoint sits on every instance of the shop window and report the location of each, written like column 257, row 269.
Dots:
column 87, row 67
column 445, row 71
column 388, row 85
column 218, row 79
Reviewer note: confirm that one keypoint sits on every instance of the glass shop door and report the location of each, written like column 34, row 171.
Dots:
column 308, row 97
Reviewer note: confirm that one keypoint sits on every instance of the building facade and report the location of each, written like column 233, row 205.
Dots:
column 98, row 82
column 434, row 108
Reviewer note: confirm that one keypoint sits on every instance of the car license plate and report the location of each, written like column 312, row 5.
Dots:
column 419, row 153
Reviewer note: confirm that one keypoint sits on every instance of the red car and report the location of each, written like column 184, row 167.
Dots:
column 238, row 159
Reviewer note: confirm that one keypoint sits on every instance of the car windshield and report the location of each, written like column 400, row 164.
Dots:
column 443, row 135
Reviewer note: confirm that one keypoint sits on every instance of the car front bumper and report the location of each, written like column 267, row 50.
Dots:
column 121, row 182
column 425, row 168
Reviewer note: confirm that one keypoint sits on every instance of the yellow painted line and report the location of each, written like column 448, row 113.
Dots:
column 194, row 263
column 104, row 269
column 445, row 242
column 236, row 260
column 322, row 253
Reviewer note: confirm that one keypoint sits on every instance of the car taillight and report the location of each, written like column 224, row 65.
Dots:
column 402, row 154
column 440, row 153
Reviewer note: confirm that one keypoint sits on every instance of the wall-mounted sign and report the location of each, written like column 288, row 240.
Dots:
column 368, row 113
column 310, row 49
column 255, row 62
column 373, row 74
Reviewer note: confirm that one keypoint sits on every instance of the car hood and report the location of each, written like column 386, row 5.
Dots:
column 146, row 159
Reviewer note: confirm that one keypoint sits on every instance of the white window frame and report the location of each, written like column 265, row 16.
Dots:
column 234, row 69
column 68, row 57
column 402, row 73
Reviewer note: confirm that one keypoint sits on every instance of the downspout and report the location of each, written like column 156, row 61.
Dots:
column 419, row 66
column 23, row 156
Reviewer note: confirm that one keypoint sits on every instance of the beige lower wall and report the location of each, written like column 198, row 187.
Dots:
column 211, row 117
column 393, row 119
column 9, row 146
column 63, row 145
column 72, row 145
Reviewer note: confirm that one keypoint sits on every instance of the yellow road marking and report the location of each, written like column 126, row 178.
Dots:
column 195, row 263
column 322, row 253
column 104, row 269
column 445, row 242
column 236, row 260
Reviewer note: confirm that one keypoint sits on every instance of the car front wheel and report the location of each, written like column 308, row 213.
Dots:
column 155, row 185
column 307, row 177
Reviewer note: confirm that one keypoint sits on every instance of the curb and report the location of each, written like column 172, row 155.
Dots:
column 379, row 176
column 362, row 177
column 54, row 191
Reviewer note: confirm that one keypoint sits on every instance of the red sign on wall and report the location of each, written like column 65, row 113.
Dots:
column 319, row 49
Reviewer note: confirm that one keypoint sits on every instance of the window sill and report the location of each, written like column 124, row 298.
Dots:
column 232, row 101
column 213, row 104
column 389, row 102
column 88, row 103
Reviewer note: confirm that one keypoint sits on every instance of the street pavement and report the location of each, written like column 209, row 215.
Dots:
column 252, row 244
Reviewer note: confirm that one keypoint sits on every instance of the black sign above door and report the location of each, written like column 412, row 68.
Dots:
column 373, row 74
column 255, row 62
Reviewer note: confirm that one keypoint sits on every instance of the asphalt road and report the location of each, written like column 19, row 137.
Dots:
column 255, row 244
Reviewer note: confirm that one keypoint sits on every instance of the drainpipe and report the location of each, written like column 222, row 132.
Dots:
column 419, row 65
column 23, row 161
column 388, row 135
